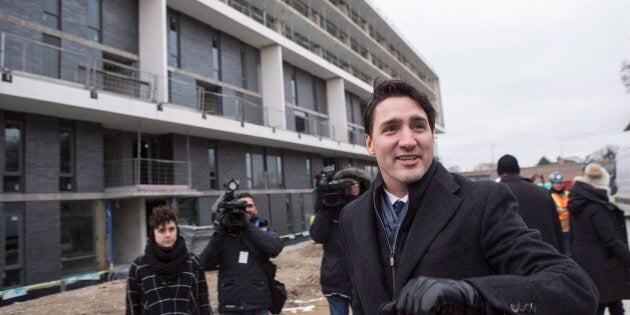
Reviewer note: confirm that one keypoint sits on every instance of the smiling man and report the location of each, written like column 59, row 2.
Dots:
column 436, row 243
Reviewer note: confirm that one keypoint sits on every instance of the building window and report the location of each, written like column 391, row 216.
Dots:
column 50, row 16
column 13, row 149
column 12, row 275
column 254, row 170
column 243, row 69
column 301, row 121
column 293, row 89
column 309, row 172
column 173, row 39
column 77, row 237
column 187, row 211
column 66, row 158
column 263, row 171
column 212, row 165
column 51, row 56
column 216, row 59
column 274, row 171
column 95, row 10
column 372, row 170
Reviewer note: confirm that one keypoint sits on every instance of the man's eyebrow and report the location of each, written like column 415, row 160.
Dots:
column 390, row 121
column 419, row 118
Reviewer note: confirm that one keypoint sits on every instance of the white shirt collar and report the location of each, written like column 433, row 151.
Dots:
column 391, row 198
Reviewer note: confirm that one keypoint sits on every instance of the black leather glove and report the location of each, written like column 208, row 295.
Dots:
column 430, row 296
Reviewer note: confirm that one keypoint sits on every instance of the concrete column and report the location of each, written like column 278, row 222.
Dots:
column 129, row 229
column 153, row 51
column 102, row 262
column 336, row 99
column 272, row 86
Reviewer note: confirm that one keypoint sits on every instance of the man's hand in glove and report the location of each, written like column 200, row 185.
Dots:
column 430, row 296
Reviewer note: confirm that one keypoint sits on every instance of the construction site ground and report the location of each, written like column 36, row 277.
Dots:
column 298, row 269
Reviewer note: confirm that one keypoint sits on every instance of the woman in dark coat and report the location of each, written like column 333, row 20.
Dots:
column 600, row 244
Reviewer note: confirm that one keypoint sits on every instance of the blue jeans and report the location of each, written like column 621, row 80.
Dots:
column 254, row 312
column 338, row 305
column 566, row 243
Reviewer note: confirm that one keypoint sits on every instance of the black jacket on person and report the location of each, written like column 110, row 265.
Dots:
column 600, row 243
column 462, row 230
column 334, row 275
column 148, row 293
column 241, row 258
column 536, row 208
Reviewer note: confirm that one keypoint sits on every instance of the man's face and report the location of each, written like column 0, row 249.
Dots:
column 250, row 210
column 166, row 234
column 352, row 190
column 401, row 141
column 558, row 186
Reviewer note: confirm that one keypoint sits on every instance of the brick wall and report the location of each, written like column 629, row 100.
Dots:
column 42, row 241
column 41, row 154
column 120, row 24
column 89, row 157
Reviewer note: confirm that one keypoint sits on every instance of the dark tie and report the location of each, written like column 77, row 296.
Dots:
column 398, row 206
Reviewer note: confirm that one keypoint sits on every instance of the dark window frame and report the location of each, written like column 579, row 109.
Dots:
column 51, row 14
column 19, row 173
column 98, row 29
column 89, row 256
column 21, row 234
column 250, row 171
column 66, row 178
column 48, row 68
column 215, row 58
column 213, row 179
column 173, row 17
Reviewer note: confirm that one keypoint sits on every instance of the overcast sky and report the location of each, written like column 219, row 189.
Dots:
column 530, row 78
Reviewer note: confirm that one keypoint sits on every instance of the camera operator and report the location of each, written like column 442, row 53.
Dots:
column 334, row 275
column 241, row 253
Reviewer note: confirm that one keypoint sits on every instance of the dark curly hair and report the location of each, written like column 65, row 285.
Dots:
column 162, row 215
column 394, row 88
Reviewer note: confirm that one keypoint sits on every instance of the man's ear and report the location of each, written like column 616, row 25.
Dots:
column 368, row 144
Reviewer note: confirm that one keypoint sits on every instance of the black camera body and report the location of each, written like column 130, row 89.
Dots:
column 231, row 214
column 331, row 191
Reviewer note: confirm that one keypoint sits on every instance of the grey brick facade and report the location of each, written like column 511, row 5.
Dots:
column 42, row 244
column 231, row 161
column 120, row 24
column 89, row 157
column 41, row 154
column 198, row 159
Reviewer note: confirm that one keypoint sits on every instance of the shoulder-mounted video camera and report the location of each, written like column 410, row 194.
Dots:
column 331, row 191
column 230, row 213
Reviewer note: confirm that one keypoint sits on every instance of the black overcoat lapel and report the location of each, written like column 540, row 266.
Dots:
column 439, row 204
column 367, row 269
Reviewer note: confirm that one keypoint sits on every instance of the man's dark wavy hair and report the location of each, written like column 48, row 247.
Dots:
column 393, row 88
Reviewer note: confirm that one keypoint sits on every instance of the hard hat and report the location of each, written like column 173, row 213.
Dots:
column 556, row 177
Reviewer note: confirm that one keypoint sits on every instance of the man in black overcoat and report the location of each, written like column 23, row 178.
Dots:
column 424, row 241
column 534, row 203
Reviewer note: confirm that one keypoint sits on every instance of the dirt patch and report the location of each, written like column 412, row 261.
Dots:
column 298, row 269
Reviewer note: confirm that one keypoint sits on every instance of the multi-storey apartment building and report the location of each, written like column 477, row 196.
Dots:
column 111, row 107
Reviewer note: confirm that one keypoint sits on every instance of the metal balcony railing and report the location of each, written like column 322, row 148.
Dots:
column 307, row 122
column 94, row 72
column 147, row 173
column 187, row 89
